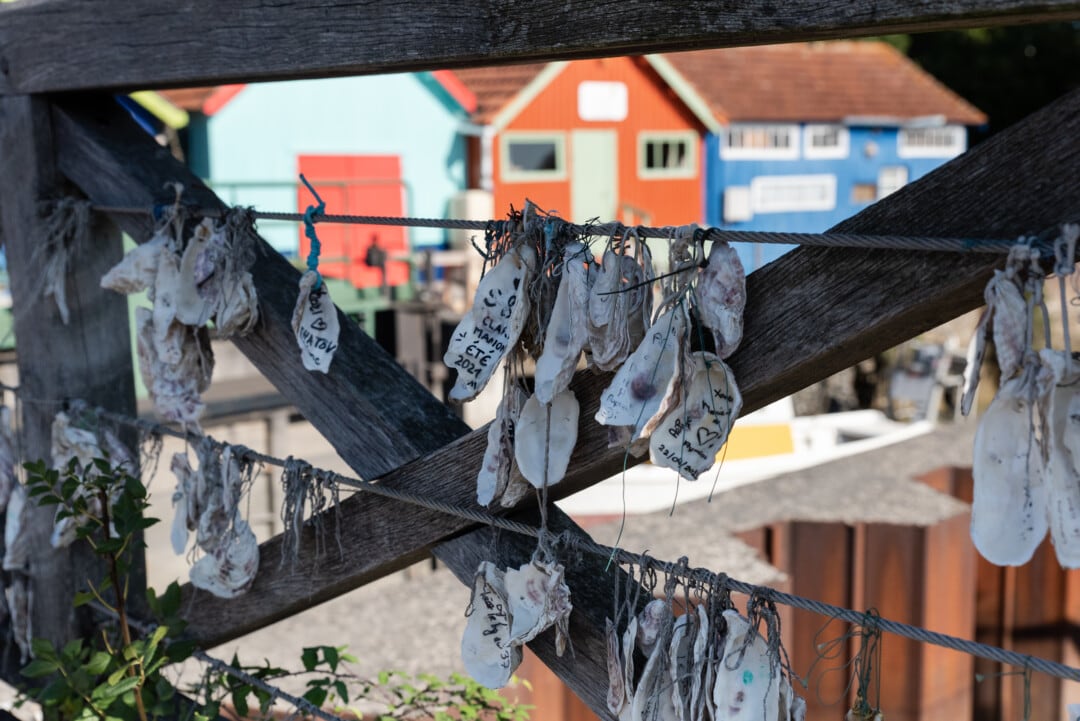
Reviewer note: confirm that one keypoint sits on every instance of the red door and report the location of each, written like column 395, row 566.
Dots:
column 356, row 185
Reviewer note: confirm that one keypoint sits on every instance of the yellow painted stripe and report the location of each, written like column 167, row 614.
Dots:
column 162, row 109
column 758, row 441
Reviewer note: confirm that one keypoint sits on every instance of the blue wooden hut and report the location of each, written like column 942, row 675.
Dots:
column 813, row 132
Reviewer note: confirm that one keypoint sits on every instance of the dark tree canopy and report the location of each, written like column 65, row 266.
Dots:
column 1007, row 72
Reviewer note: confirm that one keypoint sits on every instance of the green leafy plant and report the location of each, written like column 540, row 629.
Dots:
column 391, row 696
column 113, row 676
column 117, row 676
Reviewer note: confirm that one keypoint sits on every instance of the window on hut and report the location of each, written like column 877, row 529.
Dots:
column 667, row 155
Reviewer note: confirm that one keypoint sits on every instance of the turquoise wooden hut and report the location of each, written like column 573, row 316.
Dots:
column 378, row 145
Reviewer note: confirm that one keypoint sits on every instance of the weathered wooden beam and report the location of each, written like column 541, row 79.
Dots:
column 88, row 358
column 810, row 314
column 386, row 418
column 62, row 45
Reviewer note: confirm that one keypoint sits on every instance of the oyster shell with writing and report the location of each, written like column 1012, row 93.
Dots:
column 486, row 651
column 315, row 324
column 493, row 324
column 692, row 434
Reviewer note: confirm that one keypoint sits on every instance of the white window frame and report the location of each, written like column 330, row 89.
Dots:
column 956, row 133
column 760, row 185
column 791, row 152
column 666, row 136
column 883, row 171
column 829, row 152
column 510, row 175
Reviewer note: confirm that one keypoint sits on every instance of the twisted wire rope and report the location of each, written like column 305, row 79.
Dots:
column 826, row 240
column 586, row 544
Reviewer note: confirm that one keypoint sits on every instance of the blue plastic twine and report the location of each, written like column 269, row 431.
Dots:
column 309, row 231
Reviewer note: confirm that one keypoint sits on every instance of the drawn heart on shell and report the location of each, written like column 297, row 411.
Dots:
column 706, row 436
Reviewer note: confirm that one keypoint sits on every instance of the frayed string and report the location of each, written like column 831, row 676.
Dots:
column 310, row 216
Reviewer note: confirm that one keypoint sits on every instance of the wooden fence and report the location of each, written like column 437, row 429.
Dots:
column 808, row 315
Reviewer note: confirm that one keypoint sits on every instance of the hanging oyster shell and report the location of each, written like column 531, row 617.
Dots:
column 650, row 623
column 616, row 694
column 747, row 680
column 721, row 297
column 16, row 536
column 493, row 324
column 315, row 323
column 567, row 331
column 237, row 310
column 486, row 650
column 629, row 642
column 20, row 602
column 1008, row 511
column 648, row 377
column 517, row 488
column 497, row 466
column 8, row 458
column 192, row 307
column 613, row 343
column 184, row 502
column 680, row 660
column 138, row 269
column 602, row 299
column 545, row 438
column 692, row 434
column 651, row 702
column 1061, row 473
column 230, row 569
column 175, row 388
column 221, row 283
column 538, row 598
column 975, row 355
column 1010, row 320
column 119, row 456
column 166, row 297
column 71, row 442
column 798, row 709
column 697, row 664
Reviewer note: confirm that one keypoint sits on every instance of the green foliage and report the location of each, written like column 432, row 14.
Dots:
column 395, row 696
column 116, row 677
column 111, row 677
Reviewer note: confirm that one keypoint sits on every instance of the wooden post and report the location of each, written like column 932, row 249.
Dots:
column 89, row 358
column 923, row 576
column 818, row 559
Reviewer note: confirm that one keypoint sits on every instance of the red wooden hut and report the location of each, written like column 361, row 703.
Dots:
column 608, row 138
